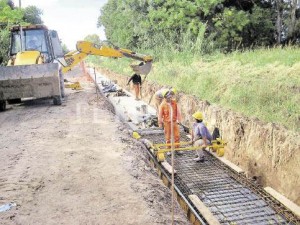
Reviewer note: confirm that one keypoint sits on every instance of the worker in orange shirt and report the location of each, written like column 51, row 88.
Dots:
column 159, row 96
column 164, row 117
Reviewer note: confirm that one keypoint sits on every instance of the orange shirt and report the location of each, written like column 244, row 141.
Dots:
column 164, row 112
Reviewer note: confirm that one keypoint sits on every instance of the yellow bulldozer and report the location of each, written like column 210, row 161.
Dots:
column 37, row 63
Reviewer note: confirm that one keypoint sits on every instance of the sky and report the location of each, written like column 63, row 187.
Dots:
column 72, row 19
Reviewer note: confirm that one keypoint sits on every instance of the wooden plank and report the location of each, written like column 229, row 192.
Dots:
column 168, row 167
column 285, row 201
column 205, row 212
column 228, row 163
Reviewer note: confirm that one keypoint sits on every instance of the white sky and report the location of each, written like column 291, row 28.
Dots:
column 73, row 19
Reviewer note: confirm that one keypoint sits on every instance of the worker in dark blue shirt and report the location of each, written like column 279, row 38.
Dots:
column 137, row 81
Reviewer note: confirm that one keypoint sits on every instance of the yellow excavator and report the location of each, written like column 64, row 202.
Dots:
column 37, row 64
column 85, row 48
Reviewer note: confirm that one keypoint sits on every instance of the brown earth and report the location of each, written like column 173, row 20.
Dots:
column 77, row 164
column 266, row 151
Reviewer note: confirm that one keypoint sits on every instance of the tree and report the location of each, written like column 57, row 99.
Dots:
column 279, row 4
column 180, row 24
column 292, row 21
column 32, row 15
column 94, row 38
column 8, row 17
column 65, row 48
column 117, row 19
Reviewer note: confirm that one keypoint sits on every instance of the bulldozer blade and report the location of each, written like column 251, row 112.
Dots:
column 142, row 69
column 37, row 81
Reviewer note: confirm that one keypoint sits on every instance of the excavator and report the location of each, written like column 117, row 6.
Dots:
column 37, row 64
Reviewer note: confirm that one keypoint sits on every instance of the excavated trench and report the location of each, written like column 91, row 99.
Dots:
column 228, row 195
column 267, row 152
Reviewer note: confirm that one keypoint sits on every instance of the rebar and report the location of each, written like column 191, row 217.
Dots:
column 231, row 197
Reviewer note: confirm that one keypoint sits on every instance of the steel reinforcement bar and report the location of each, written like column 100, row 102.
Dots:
column 231, row 197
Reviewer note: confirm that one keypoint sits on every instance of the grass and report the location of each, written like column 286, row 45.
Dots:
column 263, row 83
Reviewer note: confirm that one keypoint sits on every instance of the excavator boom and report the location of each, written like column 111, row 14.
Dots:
column 85, row 48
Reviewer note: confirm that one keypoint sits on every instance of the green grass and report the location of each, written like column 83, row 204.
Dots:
column 263, row 83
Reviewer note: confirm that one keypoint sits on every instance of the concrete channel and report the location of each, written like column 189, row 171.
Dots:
column 213, row 192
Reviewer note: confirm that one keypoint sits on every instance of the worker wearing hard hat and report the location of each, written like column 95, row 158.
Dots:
column 33, row 44
column 164, row 116
column 159, row 96
column 200, row 135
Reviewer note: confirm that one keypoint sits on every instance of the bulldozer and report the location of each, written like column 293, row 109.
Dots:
column 37, row 64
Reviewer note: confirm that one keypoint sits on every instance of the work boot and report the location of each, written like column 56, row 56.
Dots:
column 179, row 152
column 198, row 159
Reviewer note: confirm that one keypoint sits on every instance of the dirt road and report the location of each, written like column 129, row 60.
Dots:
column 76, row 164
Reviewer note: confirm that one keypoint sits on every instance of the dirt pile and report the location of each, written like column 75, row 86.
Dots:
column 266, row 151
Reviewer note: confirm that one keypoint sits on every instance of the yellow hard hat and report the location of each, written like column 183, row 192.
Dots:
column 173, row 90
column 165, row 92
column 198, row 115
column 136, row 135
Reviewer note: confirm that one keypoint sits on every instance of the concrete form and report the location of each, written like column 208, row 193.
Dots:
column 288, row 203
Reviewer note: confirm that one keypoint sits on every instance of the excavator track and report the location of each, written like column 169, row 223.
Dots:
column 230, row 196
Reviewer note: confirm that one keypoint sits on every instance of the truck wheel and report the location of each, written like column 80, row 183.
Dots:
column 62, row 84
column 57, row 100
column 2, row 106
column 14, row 101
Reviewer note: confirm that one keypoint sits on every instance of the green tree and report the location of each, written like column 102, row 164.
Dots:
column 229, row 26
column 117, row 19
column 32, row 15
column 292, row 21
column 94, row 38
column 8, row 17
column 65, row 48
column 192, row 24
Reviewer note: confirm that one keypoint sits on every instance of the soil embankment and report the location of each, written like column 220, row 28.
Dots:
column 267, row 152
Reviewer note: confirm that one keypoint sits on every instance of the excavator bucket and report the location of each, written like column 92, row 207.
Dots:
column 26, row 81
column 142, row 69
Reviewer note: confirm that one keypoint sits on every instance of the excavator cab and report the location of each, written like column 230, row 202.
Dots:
column 34, row 38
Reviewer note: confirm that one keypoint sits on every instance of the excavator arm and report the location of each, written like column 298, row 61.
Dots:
column 85, row 48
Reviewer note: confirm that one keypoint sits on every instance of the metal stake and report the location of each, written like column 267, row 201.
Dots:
column 95, row 81
column 172, row 159
column 21, row 30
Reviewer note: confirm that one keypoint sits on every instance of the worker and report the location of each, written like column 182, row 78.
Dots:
column 200, row 136
column 33, row 44
column 137, row 82
column 159, row 96
column 164, row 117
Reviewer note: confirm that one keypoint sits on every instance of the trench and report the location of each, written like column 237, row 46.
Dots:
column 229, row 195
column 267, row 152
